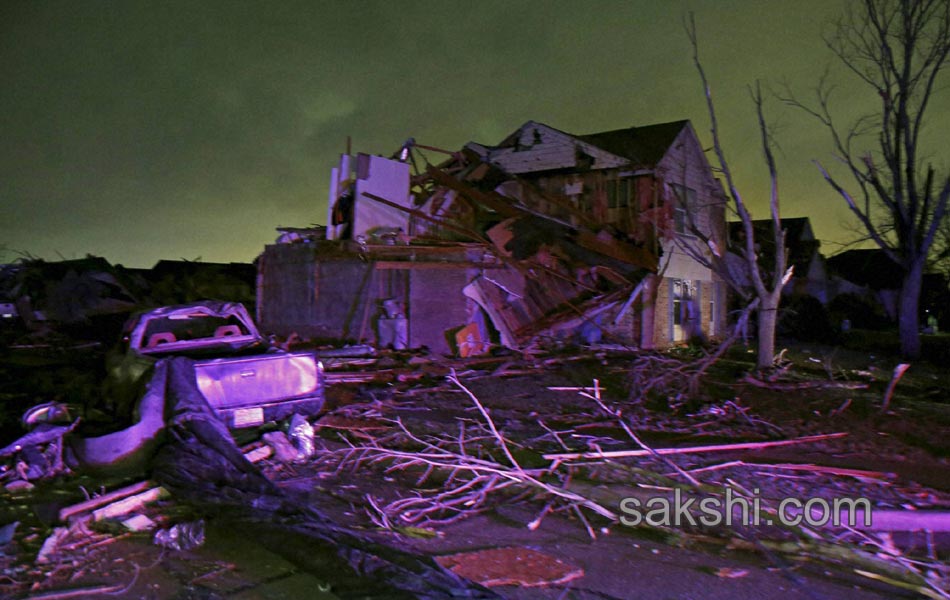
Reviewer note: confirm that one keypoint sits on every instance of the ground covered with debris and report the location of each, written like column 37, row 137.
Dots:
column 514, row 476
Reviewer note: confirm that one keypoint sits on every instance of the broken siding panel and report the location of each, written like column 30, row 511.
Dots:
column 535, row 159
column 387, row 179
column 493, row 299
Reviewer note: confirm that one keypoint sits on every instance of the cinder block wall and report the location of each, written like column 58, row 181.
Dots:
column 436, row 305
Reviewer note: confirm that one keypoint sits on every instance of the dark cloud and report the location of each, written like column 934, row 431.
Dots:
column 145, row 130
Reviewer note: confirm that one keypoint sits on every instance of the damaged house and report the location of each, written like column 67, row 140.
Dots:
column 544, row 235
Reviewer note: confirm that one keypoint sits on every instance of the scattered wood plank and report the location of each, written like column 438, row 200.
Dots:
column 859, row 473
column 694, row 449
column 127, row 505
column 88, row 592
column 51, row 545
column 899, row 371
column 358, row 377
column 259, row 453
column 93, row 503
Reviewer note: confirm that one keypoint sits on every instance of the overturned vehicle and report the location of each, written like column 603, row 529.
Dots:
column 244, row 380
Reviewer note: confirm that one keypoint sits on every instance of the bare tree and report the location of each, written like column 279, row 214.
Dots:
column 898, row 49
column 744, row 268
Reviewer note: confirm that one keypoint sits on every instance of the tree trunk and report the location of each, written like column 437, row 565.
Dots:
column 648, row 314
column 766, row 319
column 908, row 320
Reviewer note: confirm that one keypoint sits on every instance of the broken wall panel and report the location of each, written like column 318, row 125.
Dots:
column 388, row 179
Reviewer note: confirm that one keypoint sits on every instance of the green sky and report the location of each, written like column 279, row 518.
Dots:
column 147, row 130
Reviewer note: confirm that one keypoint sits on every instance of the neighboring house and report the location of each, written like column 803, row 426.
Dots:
column 544, row 234
column 810, row 276
column 867, row 273
column 68, row 291
column 870, row 274
column 183, row 281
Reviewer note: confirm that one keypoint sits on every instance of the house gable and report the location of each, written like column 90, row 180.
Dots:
column 684, row 162
column 536, row 147
column 642, row 146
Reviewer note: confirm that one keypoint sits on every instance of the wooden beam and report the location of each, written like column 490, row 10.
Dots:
column 493, row 201
column 694, row 449
column 104, row 499
column 395, row 265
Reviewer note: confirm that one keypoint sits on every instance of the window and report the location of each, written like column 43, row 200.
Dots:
column 684, row 309
column 685, row 205
column 620, row 192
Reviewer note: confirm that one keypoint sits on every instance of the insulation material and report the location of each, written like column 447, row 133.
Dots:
column 470, row 341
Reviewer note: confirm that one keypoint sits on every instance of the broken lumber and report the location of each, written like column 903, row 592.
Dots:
column 256, row 455
column 804, row 385
column 859, row 473
column 127, row 505
column 93, row 503
column 693, row 449
column 899, row 371
column 83, row 592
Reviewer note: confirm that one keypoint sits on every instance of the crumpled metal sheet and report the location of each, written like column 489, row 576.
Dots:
column 39, row 453
column 181, row 536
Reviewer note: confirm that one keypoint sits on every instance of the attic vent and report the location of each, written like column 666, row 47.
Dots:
column 583, row 159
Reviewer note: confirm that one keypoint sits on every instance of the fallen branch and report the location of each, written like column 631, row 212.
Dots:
column 804, row 385
column 693, row 449
column 626, row 428
column 473, row 474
